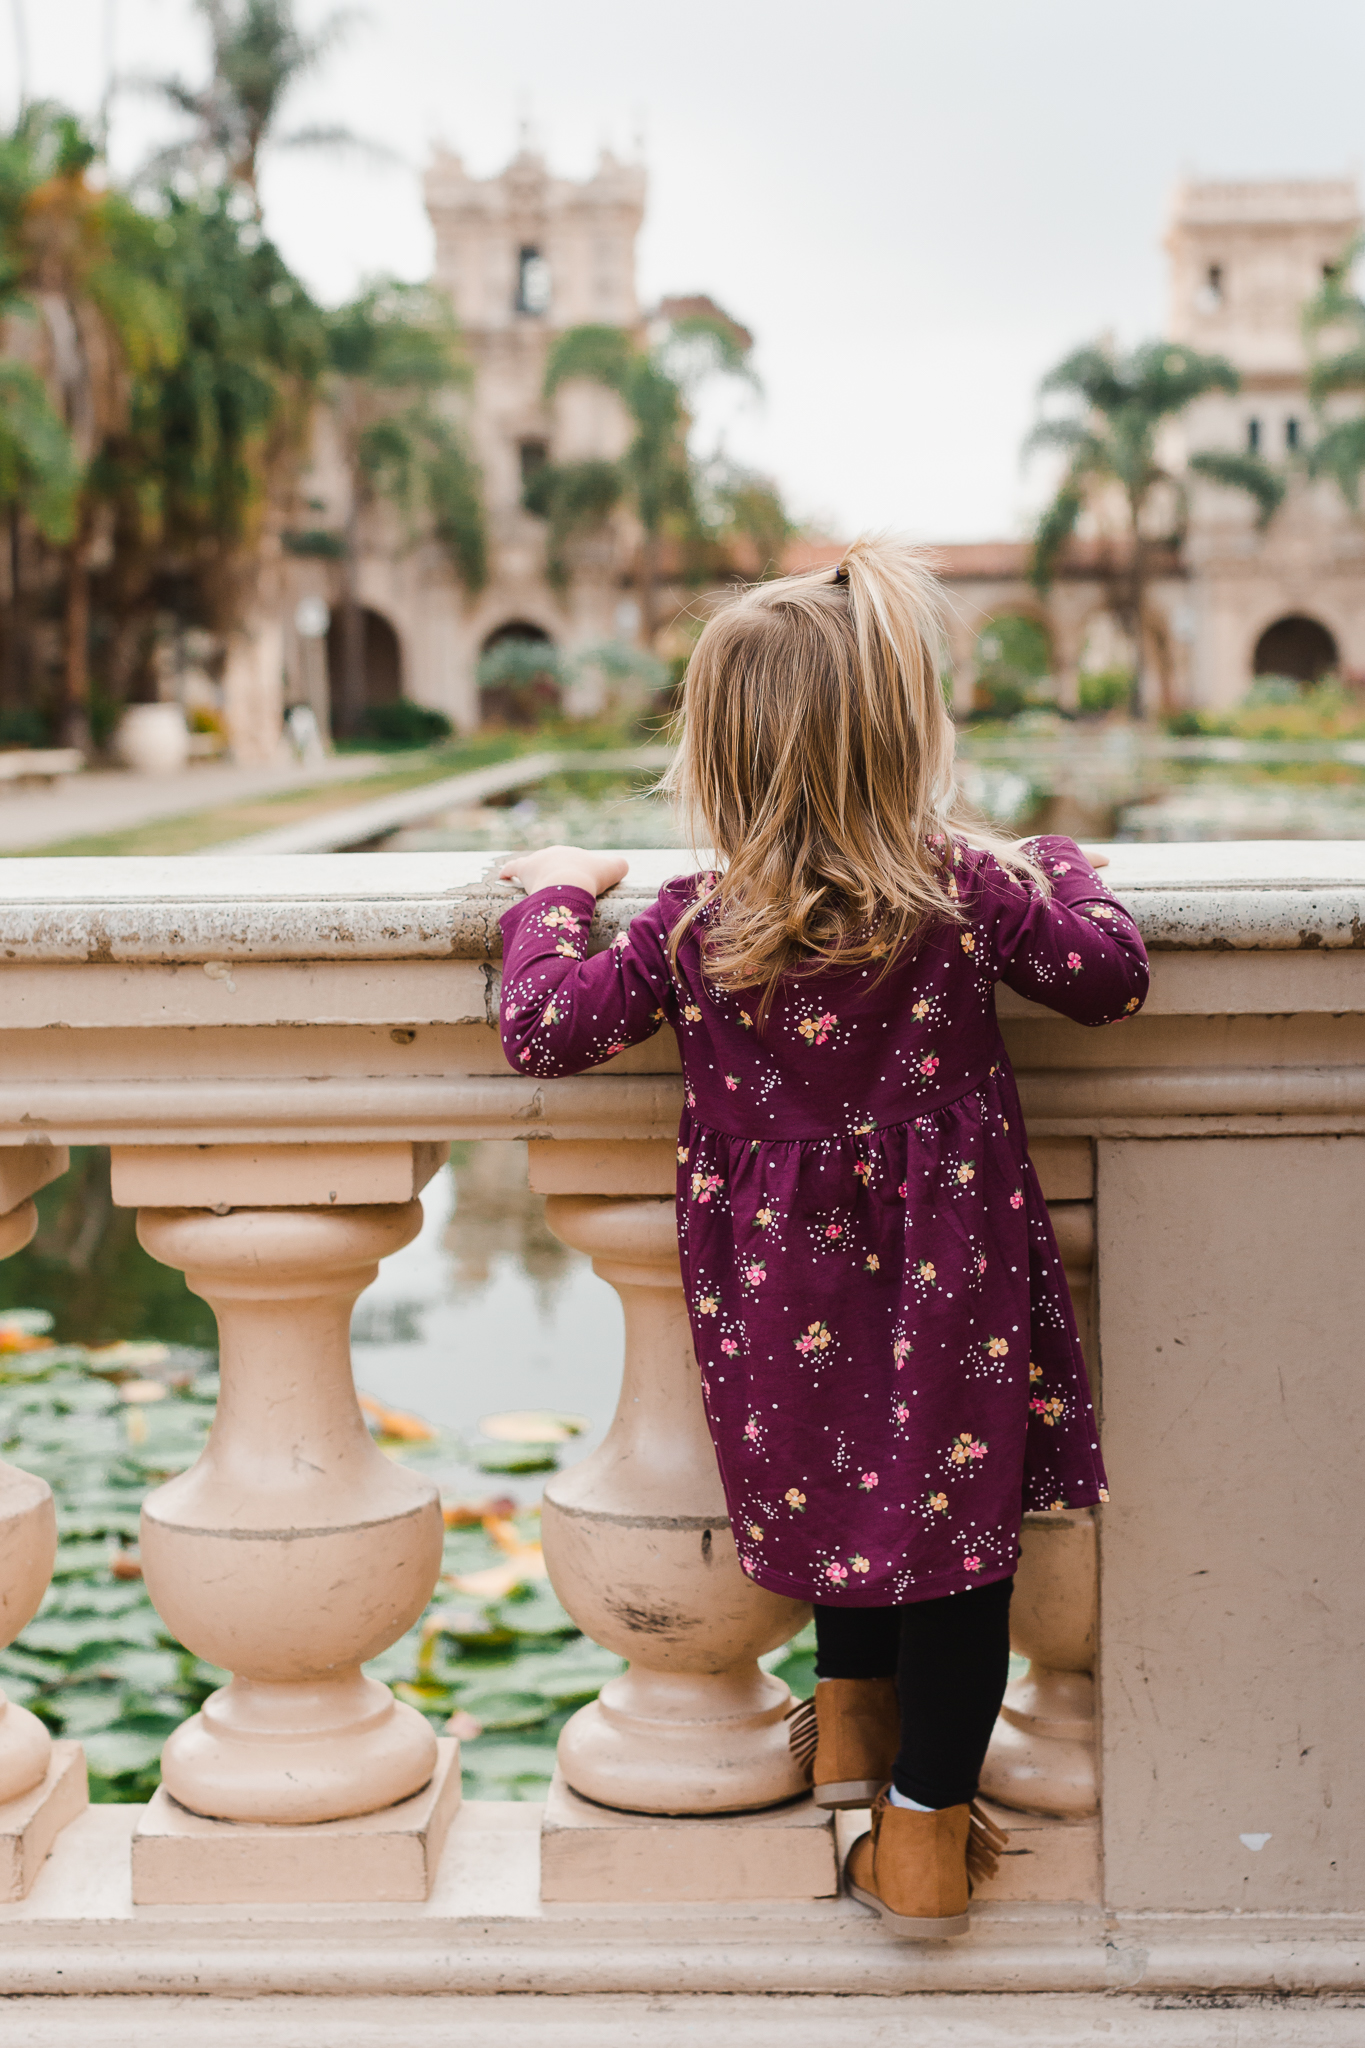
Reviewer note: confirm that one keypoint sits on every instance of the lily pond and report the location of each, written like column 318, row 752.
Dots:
column 1097, row 779
column 487, row 1352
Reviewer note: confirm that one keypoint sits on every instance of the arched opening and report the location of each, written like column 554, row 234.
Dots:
column 1297, row 647
column 1013, row 665
column 519, row 675
column 381, row 669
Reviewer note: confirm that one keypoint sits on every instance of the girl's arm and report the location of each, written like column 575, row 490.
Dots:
column 561, row 1011
column 1077, row 951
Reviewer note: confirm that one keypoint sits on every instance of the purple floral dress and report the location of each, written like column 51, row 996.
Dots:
column 887, row 1348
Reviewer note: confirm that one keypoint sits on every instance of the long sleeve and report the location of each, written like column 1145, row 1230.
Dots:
column 562, row 1011
column 1077, row 950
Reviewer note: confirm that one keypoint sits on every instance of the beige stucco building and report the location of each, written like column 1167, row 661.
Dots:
column 525, row 254
column 1233, row 602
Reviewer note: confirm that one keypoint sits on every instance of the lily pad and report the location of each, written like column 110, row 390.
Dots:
column 496, row 1710
column 517, row 1457
column 114, row 1752
column 534, row 1426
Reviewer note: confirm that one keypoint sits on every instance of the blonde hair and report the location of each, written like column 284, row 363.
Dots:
column 815, row 753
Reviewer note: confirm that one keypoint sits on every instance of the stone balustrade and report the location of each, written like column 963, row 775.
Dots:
column 277, row 1051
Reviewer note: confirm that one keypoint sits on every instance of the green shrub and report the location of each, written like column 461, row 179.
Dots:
column 20, row 726
column 520, row 681
column 405, row 724
column 1105, row 689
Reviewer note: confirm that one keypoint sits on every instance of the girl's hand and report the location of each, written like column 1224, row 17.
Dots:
column 1096, row 860
column 564, row 867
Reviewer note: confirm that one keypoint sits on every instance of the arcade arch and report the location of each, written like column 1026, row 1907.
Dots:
column 519, row 677
column 1296, row 646
column 382, row 665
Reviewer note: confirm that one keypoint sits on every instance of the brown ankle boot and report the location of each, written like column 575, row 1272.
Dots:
column 850, row 1732
column 916, row 1869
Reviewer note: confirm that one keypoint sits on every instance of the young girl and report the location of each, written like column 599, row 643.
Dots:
column 887, row 1349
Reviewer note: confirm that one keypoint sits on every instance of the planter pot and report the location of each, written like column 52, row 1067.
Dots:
column 153, row 739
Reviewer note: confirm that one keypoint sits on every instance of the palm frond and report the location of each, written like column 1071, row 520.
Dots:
column 602, row 355
column 1069, row 436
column 1344, row 372
column 701, row 344
column 1243, row 473
column 321, row 136
column 1166, row 376
column 1087, row 373
column 1335, row 303
column 1339, row 454
column 454, row 487
column 39, row 468
column 1052, row 533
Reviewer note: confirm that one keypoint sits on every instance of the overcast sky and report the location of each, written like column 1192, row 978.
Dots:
column 917, row 208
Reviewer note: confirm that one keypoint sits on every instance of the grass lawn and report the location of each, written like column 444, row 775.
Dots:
column 191, row 831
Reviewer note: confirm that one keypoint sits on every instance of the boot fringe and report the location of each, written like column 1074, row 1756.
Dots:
column 802, row 1735
column 985, row 1842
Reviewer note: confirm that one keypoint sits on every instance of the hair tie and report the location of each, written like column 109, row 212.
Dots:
column 841, row 574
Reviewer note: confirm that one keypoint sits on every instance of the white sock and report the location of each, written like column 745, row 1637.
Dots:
column 899, row 1799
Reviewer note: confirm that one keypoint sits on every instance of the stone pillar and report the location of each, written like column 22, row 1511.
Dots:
column 42, row 1783
column 1042, row 1755
column 28, row 1550
column 638, row 1545
column 293, row 1550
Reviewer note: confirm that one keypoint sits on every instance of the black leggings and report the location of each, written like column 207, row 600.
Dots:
column 950, row 1658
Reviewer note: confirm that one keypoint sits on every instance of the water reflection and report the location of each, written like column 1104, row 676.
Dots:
column 485, row 1310
column 87, row 1269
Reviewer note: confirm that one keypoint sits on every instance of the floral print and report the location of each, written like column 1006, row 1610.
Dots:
column 965, row 1450
column 814, row 1338
column 817, row 1030
column 879, row 1315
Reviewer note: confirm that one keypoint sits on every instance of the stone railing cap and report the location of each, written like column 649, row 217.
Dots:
column 1278, row 895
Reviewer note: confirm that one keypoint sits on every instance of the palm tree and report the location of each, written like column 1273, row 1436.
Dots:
column 93, row 319
column 394, row 357
column 657, row 478
column 1110, row 445
column 207, row 459
column 259, row 55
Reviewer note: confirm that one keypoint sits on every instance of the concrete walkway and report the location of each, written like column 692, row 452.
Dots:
column 115, row 800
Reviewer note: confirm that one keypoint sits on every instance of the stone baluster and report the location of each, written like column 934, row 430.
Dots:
column 638, row 1545
column 1042, row 1754
column 293, row 1549
column 42, row 1783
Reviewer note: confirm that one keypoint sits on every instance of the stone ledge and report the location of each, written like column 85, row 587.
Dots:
column 484, row 1932
column 1238, row 896
column 679, row 2021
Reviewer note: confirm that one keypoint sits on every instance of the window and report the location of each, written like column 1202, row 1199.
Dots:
column 1209, row 297
column 1291, row 435
column 533, row 282
column 533, row 456
column 1253, row 437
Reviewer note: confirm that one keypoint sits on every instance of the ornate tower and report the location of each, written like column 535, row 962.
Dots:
column 524, row 256
column 1245, row 259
